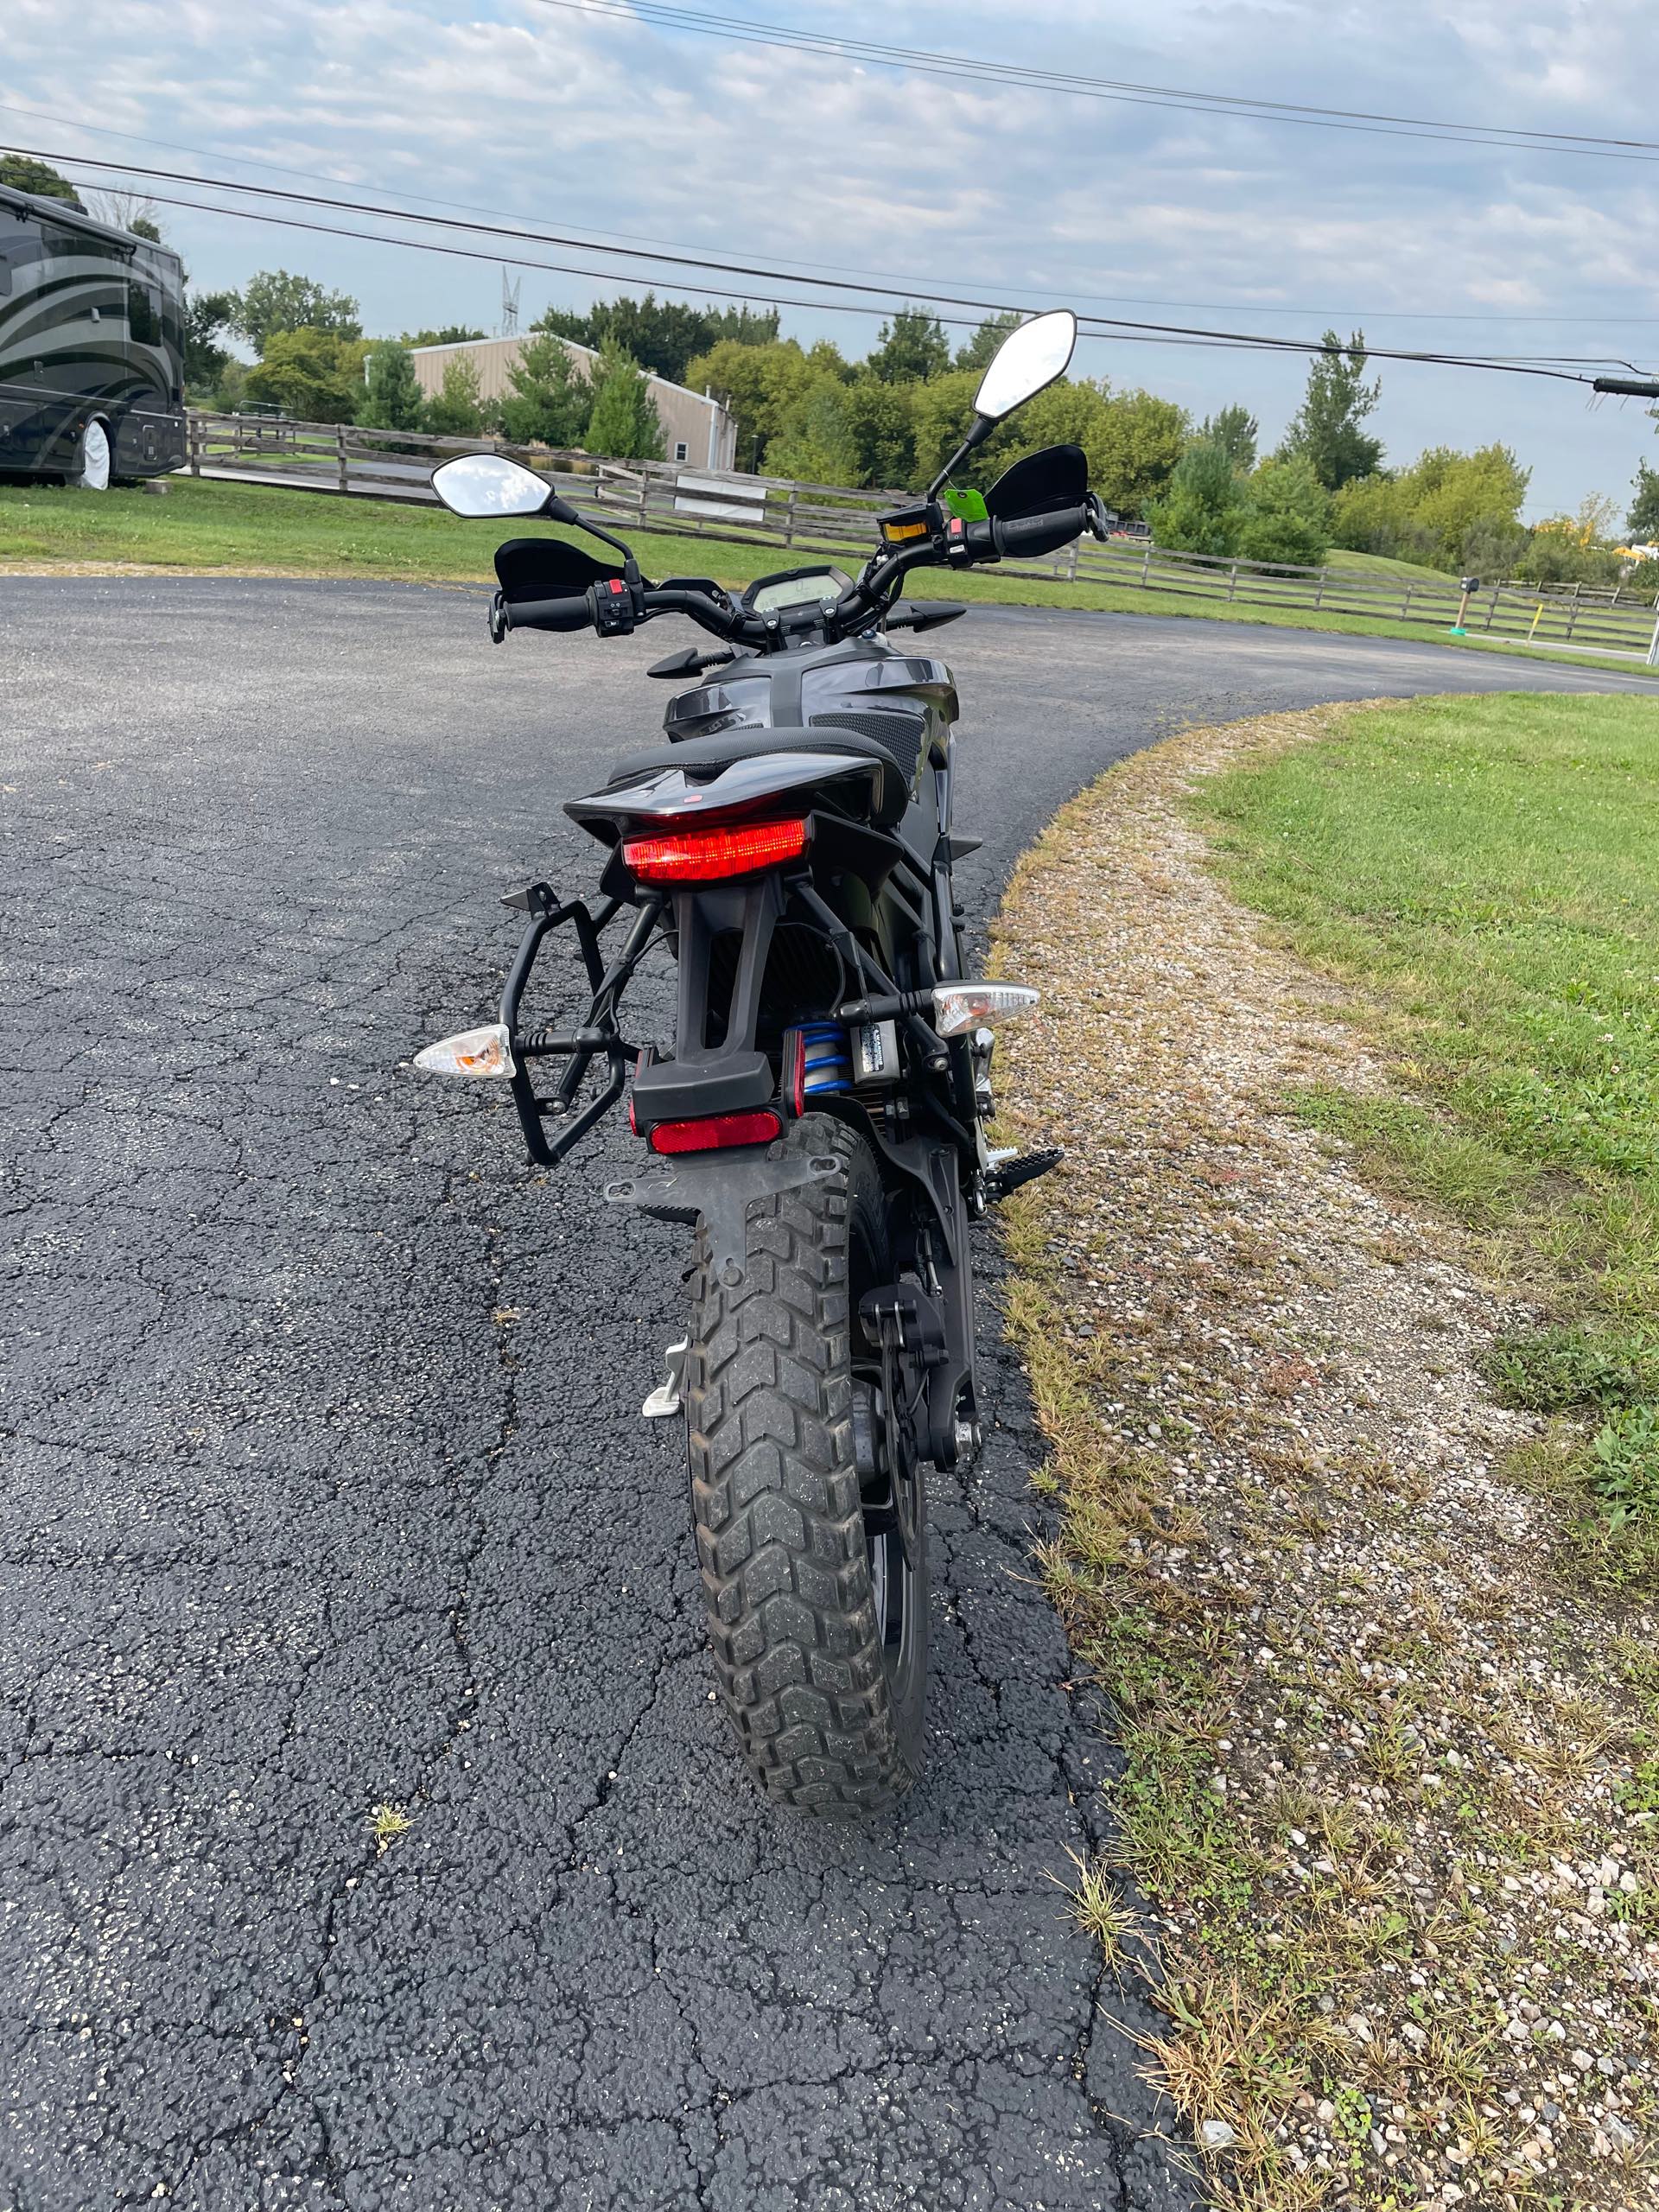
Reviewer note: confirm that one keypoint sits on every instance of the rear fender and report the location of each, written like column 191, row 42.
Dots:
column 716, row 1067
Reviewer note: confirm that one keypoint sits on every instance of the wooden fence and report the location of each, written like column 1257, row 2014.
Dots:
column 675, row 498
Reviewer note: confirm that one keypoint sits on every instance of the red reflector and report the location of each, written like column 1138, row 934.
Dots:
column 714, row 1130
column 703, row 855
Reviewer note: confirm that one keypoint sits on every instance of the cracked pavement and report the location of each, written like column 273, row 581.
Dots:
column 325, row 1486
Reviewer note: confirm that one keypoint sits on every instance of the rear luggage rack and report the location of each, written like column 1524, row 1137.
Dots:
column 598, row 1034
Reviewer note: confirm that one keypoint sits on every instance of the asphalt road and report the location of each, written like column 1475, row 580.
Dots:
column 325, row 1487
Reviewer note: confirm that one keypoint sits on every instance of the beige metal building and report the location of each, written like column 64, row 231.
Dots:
column 696, row 429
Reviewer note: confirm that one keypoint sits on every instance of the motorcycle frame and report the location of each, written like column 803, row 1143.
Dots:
column 929, row 1168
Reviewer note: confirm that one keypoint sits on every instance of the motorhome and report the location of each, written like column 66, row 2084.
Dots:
column 91, row 347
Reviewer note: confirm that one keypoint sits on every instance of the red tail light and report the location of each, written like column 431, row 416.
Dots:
column 705, row 855
column 714, row 1130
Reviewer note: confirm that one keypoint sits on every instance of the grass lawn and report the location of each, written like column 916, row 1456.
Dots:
column 1378, row 564
column 1486, row 872
column 204, row 525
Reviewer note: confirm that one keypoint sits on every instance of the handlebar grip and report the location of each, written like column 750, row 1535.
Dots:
column 550, row 613
column 1030, row 534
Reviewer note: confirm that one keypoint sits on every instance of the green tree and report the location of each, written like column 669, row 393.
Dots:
column 206, row 314
column 624, row 423
column 1204, row 507
column 548, row 399
column 456, row 410
column 760, row 385
column 1326, row 428
column 942, row 413
column 23, row 173
column 1233, row 430
column 978, row 351
column 1134, row 445
column 1459, row 512
column 315, row 375
column 912, row 348
column 664, row 336
column 881, row 425
column 816, row 445
column 276, row 301
column 1642, row 522
column 393, row 399
column 1452, row 494
column 1287, row 514
column 453, row 333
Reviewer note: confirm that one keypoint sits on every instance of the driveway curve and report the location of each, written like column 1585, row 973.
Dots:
column 326, row 1488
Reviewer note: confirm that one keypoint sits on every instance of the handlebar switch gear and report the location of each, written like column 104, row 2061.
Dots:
column 615, row 614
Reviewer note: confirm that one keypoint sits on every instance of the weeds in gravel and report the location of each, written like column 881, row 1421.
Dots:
column 388, row 1823
column 1098, row 1908
column 1390, row 1782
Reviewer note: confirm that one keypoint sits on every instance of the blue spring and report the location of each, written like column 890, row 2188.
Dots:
column 829, row 1058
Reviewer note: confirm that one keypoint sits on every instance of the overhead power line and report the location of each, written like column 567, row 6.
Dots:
column 741, row 31
column 885, row 297
column 1353, row 317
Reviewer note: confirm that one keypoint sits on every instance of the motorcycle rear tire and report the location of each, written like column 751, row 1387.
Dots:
column 817, row 1624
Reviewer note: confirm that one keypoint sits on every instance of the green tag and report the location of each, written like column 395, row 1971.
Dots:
column 967, row 506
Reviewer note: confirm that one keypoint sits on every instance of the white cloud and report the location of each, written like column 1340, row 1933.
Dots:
column 613, row 130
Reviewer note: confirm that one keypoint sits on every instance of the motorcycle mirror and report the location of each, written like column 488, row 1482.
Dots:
column 482, row 483
column 1027, row 361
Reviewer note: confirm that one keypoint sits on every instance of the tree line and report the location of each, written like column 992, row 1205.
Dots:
column 890, row 419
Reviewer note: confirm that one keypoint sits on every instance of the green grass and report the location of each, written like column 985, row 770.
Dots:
column 248, row 529
column 1485, row 872
column 1379, row 564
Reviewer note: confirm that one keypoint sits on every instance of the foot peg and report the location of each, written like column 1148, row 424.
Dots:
column 1009, row 1170
column 668, row 1397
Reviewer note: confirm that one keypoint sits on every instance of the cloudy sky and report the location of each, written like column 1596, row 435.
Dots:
column 607, row 125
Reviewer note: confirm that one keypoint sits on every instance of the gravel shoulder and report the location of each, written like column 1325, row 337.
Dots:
column 1387, row 1773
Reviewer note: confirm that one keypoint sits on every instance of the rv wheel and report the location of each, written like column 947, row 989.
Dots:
column 91, row 470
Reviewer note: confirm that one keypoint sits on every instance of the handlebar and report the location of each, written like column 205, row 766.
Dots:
column 614, row 609
column 549, row 613
column 1033, row 534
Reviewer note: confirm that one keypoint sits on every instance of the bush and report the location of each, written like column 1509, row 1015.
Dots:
column 1203, row 511
column 1287, row 515
column 624, row 423
column 1557, row 552
column 456, row 410
column 391, row 398
column 548, row 399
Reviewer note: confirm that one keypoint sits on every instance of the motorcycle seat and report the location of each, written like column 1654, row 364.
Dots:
column 712, row 754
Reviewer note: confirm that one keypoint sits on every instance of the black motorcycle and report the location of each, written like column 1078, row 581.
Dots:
column 820, row 1117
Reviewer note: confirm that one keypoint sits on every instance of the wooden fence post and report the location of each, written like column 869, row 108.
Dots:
column 789, row 514
column 1318, row 588
column 1071, row 564
column 340, row 455
column 1405, row 605
column 1146, row 564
